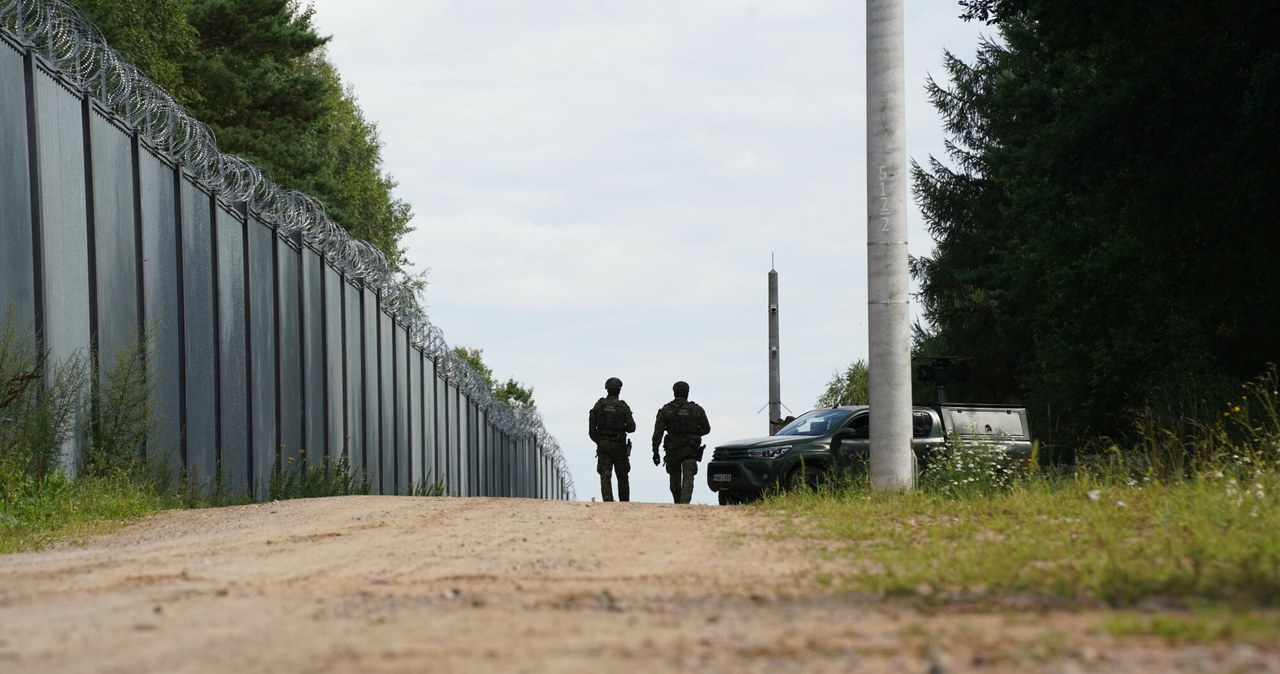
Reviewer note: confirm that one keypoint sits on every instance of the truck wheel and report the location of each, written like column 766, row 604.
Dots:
column 809, row 477
column 736, row 497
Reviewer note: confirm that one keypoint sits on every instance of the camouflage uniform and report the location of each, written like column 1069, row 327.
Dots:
column 608, row 424
column 684, row 422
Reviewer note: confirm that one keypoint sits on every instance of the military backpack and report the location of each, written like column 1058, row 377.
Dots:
column 611, row 416
column 683, row 419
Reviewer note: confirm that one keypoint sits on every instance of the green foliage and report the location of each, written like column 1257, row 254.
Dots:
column 510, row 393
column 56, row 508
column 39, row 410
column 847, row 388
column 153, row 35
column 967, row 469
column 1107, row 159
column 475, row 359
column 1201, row 624
column 514, row 394
column 350, row 180
column 428, row 487
column 256, row 72
column 124, row 412
column 303, row 479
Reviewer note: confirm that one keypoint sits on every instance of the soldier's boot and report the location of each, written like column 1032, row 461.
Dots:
column 606, row 488
column 624, row 488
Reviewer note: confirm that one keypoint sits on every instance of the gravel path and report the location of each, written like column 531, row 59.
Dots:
column 399, row 584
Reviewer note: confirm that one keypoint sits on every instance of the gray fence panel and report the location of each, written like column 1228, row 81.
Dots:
column 386, row 402
column 64, row 219
column 115, row 247
column 335, row 383
column 451, row 446
column 354, row 340
column 440, row 406
column 485, row 464
column 313, row 353
column 262, row 350
column 372, row 410
column 17, row 272
column 199, row 348
column 232, row 358
column 403, row 445
column 473, row 449
column 289, row 299
column 160, row 301
column 417, row 460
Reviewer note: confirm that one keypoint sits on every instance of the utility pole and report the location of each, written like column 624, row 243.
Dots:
column 775, row 384
column 888, row 286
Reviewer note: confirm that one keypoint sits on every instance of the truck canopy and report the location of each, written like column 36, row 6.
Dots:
column 971, row 421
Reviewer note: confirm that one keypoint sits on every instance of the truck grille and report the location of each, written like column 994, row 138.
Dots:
column 729, row 453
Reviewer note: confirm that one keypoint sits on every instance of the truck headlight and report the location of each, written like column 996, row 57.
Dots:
column 769, row 452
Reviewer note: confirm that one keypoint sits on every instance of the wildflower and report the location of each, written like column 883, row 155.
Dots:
column 1094, row 494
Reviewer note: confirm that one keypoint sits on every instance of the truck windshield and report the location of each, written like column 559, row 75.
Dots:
column 816, row 422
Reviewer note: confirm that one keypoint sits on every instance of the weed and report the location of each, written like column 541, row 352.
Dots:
column 124, row 413
column 298, row 479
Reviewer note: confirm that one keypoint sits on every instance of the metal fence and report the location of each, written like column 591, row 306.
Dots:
column 273, row 331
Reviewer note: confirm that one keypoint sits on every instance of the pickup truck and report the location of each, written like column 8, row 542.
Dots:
column 806, row 450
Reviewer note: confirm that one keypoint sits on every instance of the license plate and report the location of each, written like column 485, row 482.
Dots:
column 722, row 477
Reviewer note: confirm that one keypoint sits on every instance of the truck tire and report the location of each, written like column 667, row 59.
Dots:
column 808, row 477
column 736, row 498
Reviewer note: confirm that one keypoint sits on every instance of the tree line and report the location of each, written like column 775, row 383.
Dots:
column 256, row 72
column 1106, row 217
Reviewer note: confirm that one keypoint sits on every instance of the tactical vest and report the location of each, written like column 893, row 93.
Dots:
column 611, row 416
column 683, row 420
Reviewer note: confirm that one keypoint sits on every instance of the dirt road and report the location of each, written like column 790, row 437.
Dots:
column 398, row 584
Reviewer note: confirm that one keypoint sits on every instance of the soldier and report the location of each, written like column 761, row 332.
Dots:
column 684, row 422
column 608, row 424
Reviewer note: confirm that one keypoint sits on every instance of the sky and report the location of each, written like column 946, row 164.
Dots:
column 600, row 189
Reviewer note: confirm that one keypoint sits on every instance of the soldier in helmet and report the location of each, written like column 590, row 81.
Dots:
column 608, row 425
column 684, row 422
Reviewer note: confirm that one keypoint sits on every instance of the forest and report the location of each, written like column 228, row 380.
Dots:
column 1105, row 220
column 256, row 72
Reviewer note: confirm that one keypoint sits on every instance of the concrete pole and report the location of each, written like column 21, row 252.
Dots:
column 775, row 383
column 888, row 284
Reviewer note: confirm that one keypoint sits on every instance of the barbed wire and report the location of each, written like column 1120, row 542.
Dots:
column 80, row 53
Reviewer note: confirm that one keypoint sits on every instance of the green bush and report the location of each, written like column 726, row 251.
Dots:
column 123, row 413
column 39, row 409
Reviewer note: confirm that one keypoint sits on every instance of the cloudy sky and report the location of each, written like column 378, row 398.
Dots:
column 600, row 188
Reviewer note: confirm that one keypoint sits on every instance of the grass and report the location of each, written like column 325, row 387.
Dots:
column 1073, row 538
column 1185, row 519
column 59, row 509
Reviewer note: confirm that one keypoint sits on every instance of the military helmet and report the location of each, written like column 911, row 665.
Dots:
column 613, row 384
column 680, row 388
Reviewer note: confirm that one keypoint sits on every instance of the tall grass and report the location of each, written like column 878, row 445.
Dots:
column 1187, row 513
column 297, row 478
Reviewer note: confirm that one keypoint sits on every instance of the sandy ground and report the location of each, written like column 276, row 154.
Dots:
column 399, row 584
